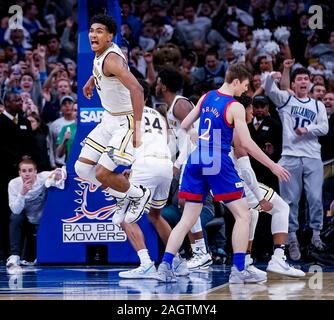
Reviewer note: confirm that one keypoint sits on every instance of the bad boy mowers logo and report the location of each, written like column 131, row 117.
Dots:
column 96, row 224
column 85, row 210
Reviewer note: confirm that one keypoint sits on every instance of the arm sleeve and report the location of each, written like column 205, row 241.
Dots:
column 277, row 96
column 320, row 128
column 16, row 199
column 249, row 177
column 185, row 147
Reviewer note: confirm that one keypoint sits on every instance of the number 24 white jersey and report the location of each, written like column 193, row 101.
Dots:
column 155, row 135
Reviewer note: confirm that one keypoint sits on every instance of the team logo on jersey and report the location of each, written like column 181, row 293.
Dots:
column 238, row 185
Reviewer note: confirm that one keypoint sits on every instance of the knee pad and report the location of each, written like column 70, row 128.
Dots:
column 197, row 227
column 280, row 215
column 254, row 218
column 86, row 171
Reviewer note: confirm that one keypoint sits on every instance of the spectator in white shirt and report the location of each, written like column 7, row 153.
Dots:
column 27, row 195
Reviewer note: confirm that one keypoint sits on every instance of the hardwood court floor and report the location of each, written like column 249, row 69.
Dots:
column 103, row 283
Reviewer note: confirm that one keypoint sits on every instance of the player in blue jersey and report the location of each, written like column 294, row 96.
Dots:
column 209, row 167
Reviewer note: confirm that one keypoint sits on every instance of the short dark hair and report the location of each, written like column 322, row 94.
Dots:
column 237, row 71
column 27, row 160
column 8, row 96
column 172, row 79
column 316, row 85
column 245, row 100
column 298, row 71
column 106, row 20
column 53, row 36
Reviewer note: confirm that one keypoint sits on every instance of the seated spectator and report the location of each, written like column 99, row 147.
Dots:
column 40, row 139
column 212, row 73
column 66, row 108
column 318, row 91
column 192, row 27
column 27, row 195
column 66, row 136
column 55, row 52
column 51, row 110
column 30, row 21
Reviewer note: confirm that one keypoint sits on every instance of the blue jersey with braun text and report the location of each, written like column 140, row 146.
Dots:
column 209, row 167
column 215, row 133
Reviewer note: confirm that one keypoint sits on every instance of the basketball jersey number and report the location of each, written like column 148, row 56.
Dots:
column 206, row 135
column 155, row 125
column 302, row 123
column 97, row 84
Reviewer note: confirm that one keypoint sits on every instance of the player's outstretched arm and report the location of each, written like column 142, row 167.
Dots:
column 117, row 66
column 249, row 177
column 242, row 137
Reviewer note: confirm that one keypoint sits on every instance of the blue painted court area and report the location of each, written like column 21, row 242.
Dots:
column 95, row 282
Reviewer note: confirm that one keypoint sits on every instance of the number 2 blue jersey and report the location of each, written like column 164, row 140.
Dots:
column 209, row 167
column 215, row 133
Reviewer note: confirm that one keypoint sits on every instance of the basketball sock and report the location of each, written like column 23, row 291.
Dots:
column 168, row 257
column 134, row 192
column 115, row 194
column 239, row 260
column 199, row 246
column 144, row 256
column 279, row 250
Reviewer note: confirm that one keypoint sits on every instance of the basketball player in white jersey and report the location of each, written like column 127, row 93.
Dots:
column 169, row 83
column 154, row 169
column 304, row 120
column 109, row 148
column 263, row 198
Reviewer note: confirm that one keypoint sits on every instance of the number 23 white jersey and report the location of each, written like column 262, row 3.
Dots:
column 115, row 97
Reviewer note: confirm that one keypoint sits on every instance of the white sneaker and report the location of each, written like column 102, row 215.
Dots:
column 199, row 260
column 251, row 268
column 13, row 261
column 138, row 206
column 165, row 273
column 279, row 265
column 245, row 276
column 13, row 264
column 146, row 271
column 119, row 214
column 180, row 267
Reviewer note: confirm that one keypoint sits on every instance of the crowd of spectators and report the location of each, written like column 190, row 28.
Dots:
column 38, row 90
